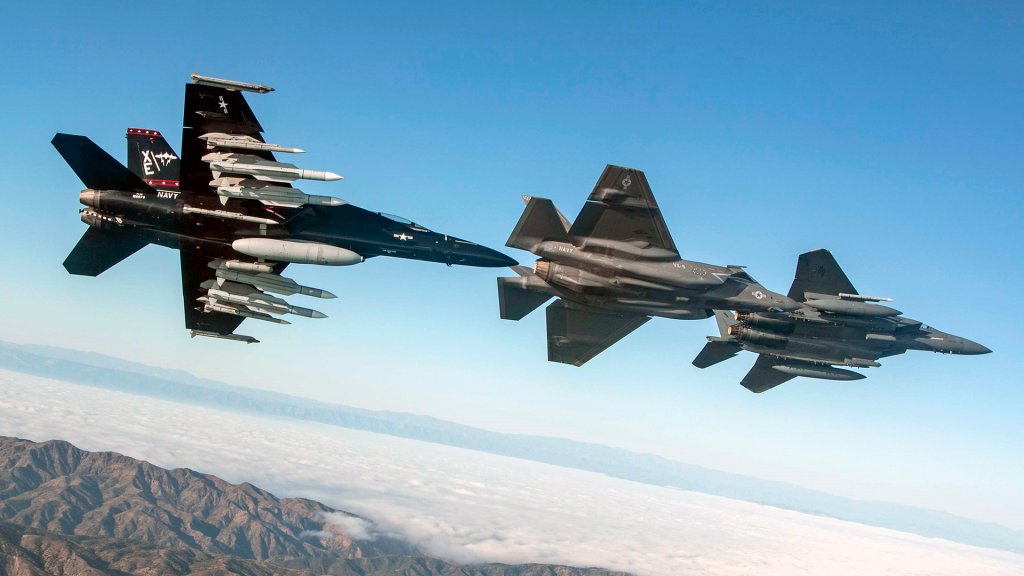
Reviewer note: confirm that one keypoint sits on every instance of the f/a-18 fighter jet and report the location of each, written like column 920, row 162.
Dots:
column 836, row 326
column 613, row 269
column 233, row 215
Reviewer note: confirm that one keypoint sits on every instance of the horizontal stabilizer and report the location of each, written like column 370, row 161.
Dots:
column 98, row 251
column 540, row 221
column 576, row 335
column 94, row 167
column 516, row 301
column 716, row 351
column 763, row 375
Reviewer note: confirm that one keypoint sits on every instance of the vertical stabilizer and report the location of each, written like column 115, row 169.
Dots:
column 151, row 158
column 817, row 272
column 540, row 222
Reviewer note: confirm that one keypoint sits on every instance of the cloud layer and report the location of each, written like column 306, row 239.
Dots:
column 473, row 507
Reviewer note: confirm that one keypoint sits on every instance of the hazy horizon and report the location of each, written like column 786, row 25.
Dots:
column 472, row 507
column 176, row 385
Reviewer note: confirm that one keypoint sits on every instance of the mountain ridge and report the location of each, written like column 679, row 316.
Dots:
column 179, row 386
column 67, row 511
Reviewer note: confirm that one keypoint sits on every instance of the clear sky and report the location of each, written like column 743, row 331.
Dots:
column 890, row 134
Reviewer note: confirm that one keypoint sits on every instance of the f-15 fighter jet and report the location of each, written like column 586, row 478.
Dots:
column 233, row 215
column 836, row 326
column 613, row 269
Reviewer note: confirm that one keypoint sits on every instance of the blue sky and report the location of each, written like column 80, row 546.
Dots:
column 888, row 134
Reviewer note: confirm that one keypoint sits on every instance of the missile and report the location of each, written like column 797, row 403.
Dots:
column 242, row 142
column 275, row 195
column 880, row 337
column 235, row 337
column 252, row 165
column 863, row 298
column 297, row 310
column 272, row 283
column 230, row 84
column 227, row 215
column 861, row 363
column 852, row 308
column 236, row 294
column 212, row 305
column 297, row 252
column 243, row 266
column 813, row 371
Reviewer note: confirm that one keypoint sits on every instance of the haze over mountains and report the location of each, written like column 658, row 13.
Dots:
column 67, row 511
column 471, row 507
column 179, row 386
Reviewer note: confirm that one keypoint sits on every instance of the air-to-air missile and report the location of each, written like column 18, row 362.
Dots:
column 248, row 164
column 219, row 140
column 261, row 277
column 613, row 269
column 229, row 84
column 228, row 208
column 835, row 326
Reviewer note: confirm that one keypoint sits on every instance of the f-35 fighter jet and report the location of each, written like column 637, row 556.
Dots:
column 233, row 215
column 613, row 269
column 836, row 326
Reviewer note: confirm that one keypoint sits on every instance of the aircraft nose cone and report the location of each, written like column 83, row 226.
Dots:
column 468, row 254
column 973, row 348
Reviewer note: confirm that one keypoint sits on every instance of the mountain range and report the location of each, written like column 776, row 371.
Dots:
column 76, row 513
column 179, row 386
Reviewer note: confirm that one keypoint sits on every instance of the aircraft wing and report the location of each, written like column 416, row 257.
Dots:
column 622, row 207
column 214, row 110
column 575, row 335
column 195, row 270
column 818, row 272
column 208, row 314
column 763, row 377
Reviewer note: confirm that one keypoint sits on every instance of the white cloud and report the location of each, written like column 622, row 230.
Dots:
column 475, row 507
column 352, row 526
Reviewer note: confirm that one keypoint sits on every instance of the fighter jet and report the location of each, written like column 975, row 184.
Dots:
column 613, row 269
column 835, row 326
column 233, row 215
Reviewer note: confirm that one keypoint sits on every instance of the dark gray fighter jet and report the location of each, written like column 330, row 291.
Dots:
column 836, row 326
column 613, row 269
column 233, row 215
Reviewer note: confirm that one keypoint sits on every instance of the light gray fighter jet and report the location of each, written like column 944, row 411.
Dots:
column 836, row 326
column 613, row 269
